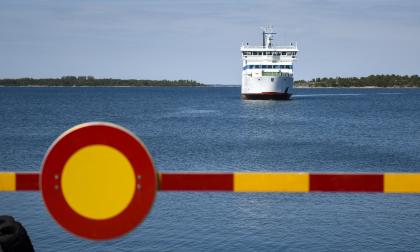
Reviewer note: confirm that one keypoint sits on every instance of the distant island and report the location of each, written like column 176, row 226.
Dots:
column 90, row 81
column 369, row 81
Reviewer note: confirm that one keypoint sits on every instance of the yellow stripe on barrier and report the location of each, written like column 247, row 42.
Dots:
column 401, row 183
column 271, row 182
column 7, row 181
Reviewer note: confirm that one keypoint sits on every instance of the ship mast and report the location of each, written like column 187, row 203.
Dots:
column 268, row 36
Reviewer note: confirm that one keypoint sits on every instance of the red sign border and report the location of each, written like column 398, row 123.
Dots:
column 133, row 149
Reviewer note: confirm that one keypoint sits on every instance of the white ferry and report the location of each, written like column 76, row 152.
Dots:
column 267, row 70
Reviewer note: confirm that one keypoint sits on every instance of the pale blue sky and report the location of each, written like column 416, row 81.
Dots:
column 200, row 40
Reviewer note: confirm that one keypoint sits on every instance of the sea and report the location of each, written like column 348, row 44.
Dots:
column 212, row 129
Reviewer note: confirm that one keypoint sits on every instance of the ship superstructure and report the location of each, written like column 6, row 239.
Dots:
column 267, row 70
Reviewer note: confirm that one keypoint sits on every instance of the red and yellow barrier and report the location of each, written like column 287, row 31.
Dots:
column 11, row 181
column 297, row 182
column 98, row 181
column 284, row 182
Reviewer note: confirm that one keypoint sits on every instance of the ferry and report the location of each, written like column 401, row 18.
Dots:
column 267, row 70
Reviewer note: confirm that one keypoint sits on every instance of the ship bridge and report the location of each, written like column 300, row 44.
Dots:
column 271, row 52
column 274, row 53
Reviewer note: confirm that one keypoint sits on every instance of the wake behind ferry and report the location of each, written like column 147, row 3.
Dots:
column 267, row 70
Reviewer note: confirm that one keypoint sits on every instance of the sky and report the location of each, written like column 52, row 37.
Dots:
column 200, row 40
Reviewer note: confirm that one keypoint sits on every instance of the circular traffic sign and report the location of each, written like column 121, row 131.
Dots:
column 98, row 181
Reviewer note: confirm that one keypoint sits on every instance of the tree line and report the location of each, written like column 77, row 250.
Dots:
column 73, row 81
column 371, row 80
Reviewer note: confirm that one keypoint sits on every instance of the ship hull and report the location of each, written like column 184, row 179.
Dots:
column 266, row 88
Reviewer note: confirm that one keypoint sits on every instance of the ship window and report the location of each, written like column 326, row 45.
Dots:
column 269, row 53
column 264, row 53
column 289, row 53
column 259, row 53
column 283, row 53
column 277, row 66
column 254, row 53
column 270, row 67
column 251, row 66
column 264, row 66
column 257, row 66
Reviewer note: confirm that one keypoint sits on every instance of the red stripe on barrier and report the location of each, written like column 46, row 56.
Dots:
column 27, row 181
column 196, row 182
column 346, row 182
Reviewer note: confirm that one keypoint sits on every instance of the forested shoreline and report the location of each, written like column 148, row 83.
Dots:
column 369, row 81
column 79, row 81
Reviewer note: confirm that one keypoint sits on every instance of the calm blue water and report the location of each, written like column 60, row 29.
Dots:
column 211, row 129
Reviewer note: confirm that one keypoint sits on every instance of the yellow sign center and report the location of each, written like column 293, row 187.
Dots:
column 98, row 182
